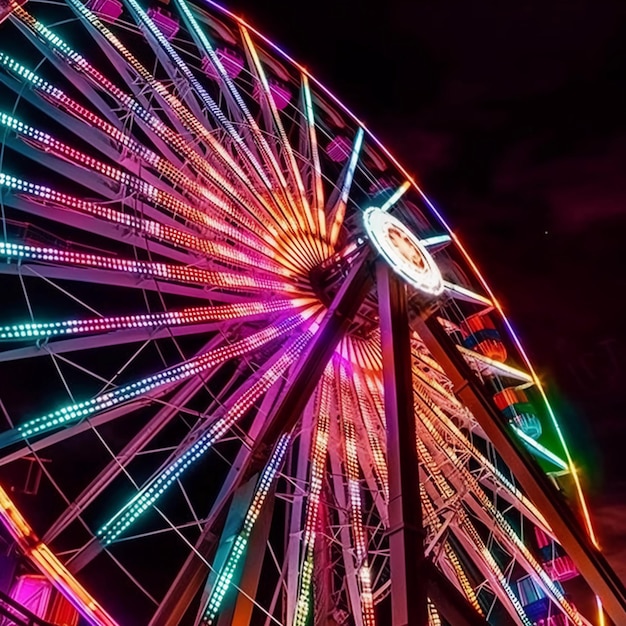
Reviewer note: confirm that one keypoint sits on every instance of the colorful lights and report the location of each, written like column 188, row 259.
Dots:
column 193, row 315
column 395, row 196
column 351, row 464
column 199, row 443
column 225, row 576
column 319, row 449
column 17, row 252
column 155, row 383
column 339, row 211
column 221, row 187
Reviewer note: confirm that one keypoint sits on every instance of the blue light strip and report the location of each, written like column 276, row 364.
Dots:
column 200, row 442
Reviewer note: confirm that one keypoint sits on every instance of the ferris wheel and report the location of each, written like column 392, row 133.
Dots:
column 249, row 375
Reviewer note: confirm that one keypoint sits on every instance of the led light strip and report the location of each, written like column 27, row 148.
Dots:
column 339, row 210
column 159, row 271
column 395, row 196
column 48, row 564
column 237, row 550
column 319, row 450
column 319, row 217
column 432, row 516
column 162, row 380
column 199, row 444
column 192, row 315
column 351, row 465
column 373, row 433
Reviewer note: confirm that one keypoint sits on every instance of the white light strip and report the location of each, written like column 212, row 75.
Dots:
column 435, row 240
column 466, row 293
column 541, row 450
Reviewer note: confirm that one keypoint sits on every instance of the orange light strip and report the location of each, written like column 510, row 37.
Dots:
column 48, row 564
column 318, row 187
column 297, row 219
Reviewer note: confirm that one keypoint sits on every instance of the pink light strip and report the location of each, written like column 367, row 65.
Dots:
column 319, row 450
column 145, row 269
column 192, row 315
column 351, row 465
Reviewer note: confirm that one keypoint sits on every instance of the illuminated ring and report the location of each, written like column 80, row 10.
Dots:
column 413, row 263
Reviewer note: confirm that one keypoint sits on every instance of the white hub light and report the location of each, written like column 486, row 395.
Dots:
column 403, row 251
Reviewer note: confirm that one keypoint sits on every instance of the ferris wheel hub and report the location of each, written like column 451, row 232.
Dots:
column 403, row 251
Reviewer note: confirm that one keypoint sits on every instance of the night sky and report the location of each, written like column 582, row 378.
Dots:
column 513, row 118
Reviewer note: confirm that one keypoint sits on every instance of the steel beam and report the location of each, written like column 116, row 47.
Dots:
column 406, row 537
column 241, row 611
column 590, row 562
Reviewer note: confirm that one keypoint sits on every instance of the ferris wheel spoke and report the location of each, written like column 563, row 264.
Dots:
column 370, row 452
column 483, row 365
column 151, row 386
column 319, row 217
column 460, row 292
column 192, row 316
column 337, row 202
column 51, row 273
column 306, row 447
column 448, row 557
column 101, row 266
column 348, row 549
column 351, row 466
column 301, row 609
column 115, row 338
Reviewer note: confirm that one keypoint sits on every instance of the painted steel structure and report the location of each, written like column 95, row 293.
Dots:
column 253, row 367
